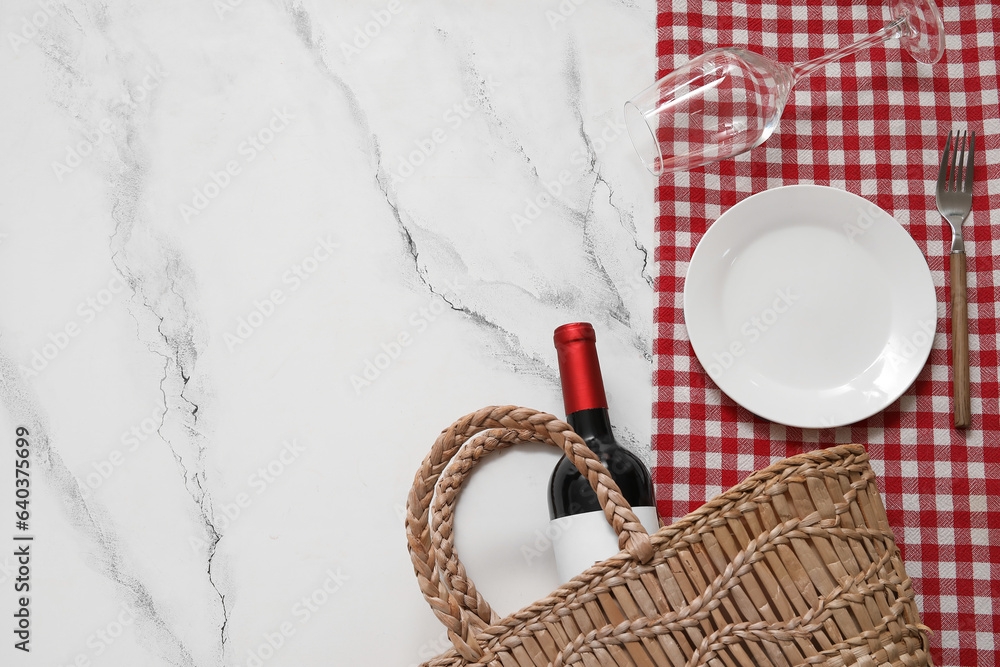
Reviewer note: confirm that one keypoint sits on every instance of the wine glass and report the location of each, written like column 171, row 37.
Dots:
column 729, row 100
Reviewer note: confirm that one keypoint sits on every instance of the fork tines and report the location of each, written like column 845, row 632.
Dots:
column 959, row 179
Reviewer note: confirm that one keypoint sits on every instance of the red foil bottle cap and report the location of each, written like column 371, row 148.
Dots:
column 579, row 369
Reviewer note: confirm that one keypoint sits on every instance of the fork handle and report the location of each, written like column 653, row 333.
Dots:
column 960, row 342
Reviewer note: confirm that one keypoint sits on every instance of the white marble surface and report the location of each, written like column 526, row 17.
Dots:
column 239, row 302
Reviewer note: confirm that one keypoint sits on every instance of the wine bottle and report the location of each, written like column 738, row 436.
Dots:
column 580, row 533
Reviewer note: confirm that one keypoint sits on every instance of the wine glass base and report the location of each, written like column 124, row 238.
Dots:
column 923, row 33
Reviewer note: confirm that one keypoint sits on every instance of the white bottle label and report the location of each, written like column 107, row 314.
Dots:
column 580, row 540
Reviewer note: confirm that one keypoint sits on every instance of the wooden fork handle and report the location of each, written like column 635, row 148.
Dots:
column 960, row 342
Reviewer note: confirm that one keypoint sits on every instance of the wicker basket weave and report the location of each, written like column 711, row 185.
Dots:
column 794, row 566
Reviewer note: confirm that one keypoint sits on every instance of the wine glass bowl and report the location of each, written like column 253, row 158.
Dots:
column 730, row 100
column 720, row 104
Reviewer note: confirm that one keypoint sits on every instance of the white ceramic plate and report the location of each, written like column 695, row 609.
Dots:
column 810, row 306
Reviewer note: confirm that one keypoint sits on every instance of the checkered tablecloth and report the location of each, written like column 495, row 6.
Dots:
column 873, row 125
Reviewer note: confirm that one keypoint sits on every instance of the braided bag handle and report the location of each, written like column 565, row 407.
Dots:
column 430, row 510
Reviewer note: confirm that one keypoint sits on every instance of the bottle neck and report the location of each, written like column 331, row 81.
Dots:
column 594, row 426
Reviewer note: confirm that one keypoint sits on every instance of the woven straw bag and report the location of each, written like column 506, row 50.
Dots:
column 794, row 566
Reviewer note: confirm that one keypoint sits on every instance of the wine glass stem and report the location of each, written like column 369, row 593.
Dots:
column 892, row 30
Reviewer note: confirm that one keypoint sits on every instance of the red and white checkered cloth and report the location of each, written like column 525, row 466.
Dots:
column 873, row 125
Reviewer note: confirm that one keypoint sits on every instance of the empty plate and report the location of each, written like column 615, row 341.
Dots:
column 810, row 306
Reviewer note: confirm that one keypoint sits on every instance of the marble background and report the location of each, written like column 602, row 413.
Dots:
column 254, row 256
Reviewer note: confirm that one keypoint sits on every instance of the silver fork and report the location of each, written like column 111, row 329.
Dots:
column 954, row 201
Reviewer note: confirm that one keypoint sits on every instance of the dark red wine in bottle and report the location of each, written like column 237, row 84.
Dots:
column 581, row 535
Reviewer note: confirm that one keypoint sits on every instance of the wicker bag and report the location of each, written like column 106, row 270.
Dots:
column 794, row 566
